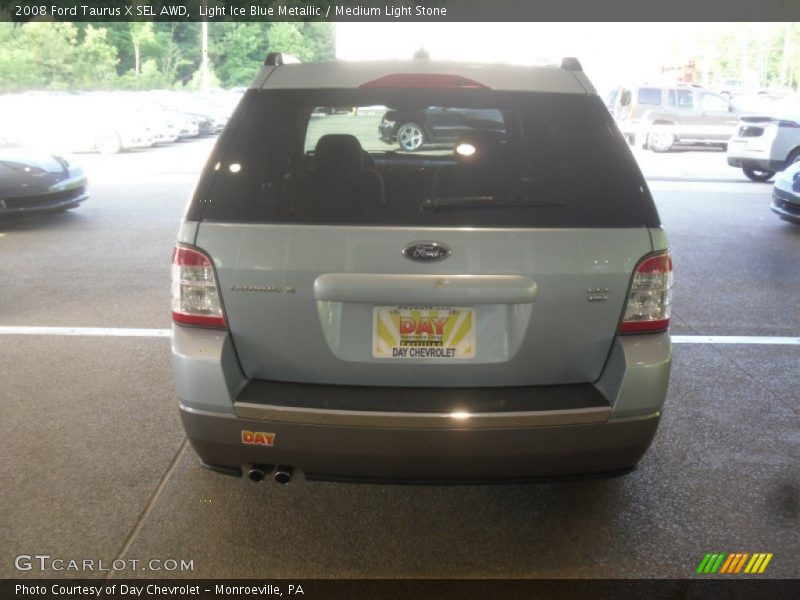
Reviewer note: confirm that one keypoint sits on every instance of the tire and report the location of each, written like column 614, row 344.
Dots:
column 410, row 136
column 660, row 140
column 757, row 175
column 108, row 142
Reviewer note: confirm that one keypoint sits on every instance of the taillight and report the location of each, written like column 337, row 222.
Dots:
column 649, row 302
column 788, row 124
column 195, row 294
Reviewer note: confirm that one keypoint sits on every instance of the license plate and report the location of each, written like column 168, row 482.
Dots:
column 423, row 332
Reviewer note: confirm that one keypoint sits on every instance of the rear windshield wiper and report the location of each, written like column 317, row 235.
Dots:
column 480, row 202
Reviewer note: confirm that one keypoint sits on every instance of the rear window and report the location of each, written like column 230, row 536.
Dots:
column 423, row 158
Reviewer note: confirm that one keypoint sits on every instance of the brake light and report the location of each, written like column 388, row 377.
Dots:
column 789, row 124
column 649, row 302
column 424, row 80
column 195, row 294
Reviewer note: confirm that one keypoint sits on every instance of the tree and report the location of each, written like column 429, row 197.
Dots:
column 237, row 50
column 171, row 55
column 18, row 65
column 95, row 64
column 141, row 33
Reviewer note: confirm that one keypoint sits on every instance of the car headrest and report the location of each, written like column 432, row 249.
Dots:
column 338, row 151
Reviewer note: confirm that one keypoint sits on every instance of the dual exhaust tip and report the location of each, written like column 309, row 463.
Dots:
column 282, row 473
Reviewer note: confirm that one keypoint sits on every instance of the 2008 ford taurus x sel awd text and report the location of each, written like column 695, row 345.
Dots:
column 494, row 307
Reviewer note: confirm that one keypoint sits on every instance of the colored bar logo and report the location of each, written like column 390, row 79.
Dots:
column 734, row 563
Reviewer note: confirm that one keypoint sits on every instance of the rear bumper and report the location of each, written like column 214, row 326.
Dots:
column 758, row 164
column 372, row 453
column 418, row 435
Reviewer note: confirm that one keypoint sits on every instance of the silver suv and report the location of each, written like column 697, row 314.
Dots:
column 496, row 307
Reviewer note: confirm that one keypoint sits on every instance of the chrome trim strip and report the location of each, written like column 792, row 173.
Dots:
column 416, row 420
column 398, row 289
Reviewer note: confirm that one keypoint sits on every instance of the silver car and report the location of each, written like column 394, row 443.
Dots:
column 496, row 308
column 764, row 145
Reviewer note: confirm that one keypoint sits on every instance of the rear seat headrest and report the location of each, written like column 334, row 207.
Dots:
column 338, row 151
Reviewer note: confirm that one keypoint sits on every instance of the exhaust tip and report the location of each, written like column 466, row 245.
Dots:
column 257, row 473
column 283, row 475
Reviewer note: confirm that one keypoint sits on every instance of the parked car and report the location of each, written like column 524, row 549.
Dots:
column 148, row 115
column 496, row 310
column 187, row 125
column 34, row 181
column 72, row 123
column 764, row 145
column 661, row 117
column 210, row 117
column 412, row 129
column 786, row 194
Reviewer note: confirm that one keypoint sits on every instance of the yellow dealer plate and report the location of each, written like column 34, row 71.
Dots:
column 427, row 332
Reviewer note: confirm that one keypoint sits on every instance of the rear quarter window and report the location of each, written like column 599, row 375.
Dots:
column 488, row 159
column 649, row 96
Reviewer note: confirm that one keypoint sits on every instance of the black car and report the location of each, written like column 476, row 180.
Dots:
column 786, row 194
column 34, row 181
column 412, row 129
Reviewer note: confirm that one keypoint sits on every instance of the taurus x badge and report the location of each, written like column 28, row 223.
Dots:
column 426, row 251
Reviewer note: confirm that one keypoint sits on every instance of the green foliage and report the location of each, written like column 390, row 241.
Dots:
column 756, row 54
column 194, row 82
column 95, row 64
column 85, row 56
column 237, row 50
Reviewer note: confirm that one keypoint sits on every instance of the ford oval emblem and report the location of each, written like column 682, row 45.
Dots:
column 426, row 251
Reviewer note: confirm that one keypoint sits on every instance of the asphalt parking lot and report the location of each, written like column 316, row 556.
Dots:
column 95, row 463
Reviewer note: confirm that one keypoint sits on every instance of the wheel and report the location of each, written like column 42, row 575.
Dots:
column 660, row 140
column 757, row 175
column 410, row 136
column 108, row 142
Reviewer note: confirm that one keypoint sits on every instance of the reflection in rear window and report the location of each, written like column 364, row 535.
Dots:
column 424, row 158
column 428, row 130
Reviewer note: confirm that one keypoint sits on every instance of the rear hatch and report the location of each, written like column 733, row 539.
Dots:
column 757, row 133
column 494, row 260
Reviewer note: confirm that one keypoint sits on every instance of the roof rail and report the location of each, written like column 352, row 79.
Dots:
column 275, row 59
column 570, row 63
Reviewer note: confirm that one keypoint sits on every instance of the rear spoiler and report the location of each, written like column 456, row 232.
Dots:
column 791, row 123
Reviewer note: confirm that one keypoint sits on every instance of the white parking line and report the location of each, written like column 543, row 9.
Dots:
column 735, row 339
column 89, row 331
column 122, row 332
